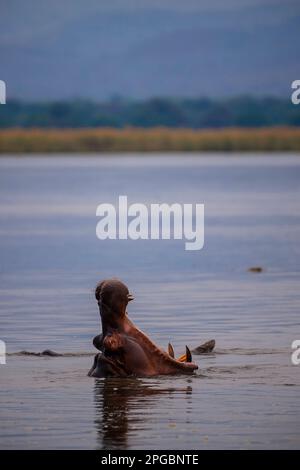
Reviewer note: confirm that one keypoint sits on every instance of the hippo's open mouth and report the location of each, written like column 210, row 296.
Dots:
column 124, row 349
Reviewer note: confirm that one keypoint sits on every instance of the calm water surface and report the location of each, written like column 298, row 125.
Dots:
column 245, row 395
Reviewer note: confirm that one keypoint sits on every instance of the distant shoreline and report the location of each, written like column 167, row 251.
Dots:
column 158, row 139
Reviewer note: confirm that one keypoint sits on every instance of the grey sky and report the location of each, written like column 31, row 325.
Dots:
column 139, row 48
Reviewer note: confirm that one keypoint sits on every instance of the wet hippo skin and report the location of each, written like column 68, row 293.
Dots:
column 124, row 349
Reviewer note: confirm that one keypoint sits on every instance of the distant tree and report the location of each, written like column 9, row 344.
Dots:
column 201, row 112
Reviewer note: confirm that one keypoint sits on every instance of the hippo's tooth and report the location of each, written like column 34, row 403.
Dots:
column 182, row 358
column 171, row 350
column 188, row 354
column 187, row 357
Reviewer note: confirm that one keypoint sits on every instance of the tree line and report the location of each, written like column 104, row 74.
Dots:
column 194, row 113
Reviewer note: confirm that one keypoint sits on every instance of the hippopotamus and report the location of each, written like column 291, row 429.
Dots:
column 124, row 349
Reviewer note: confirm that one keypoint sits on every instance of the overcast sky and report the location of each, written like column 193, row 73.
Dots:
column 139, row 48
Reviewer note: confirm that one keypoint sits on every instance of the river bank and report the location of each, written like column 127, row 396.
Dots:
column 273, row 139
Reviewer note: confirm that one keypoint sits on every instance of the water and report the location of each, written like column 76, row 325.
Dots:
column 245, row 394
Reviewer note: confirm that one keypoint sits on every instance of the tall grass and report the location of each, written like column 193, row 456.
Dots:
column 149, row 140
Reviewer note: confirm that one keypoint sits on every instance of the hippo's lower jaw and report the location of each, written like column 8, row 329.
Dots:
column 104, row 366
column 134, row 354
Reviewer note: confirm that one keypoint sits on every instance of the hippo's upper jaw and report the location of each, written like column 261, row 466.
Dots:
column 124, row 349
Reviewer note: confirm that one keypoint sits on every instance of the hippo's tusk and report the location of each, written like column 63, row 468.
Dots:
column 188, row 355
column 171, row 350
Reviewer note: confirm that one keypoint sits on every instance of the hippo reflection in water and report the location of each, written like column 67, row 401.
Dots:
column 124, row 349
